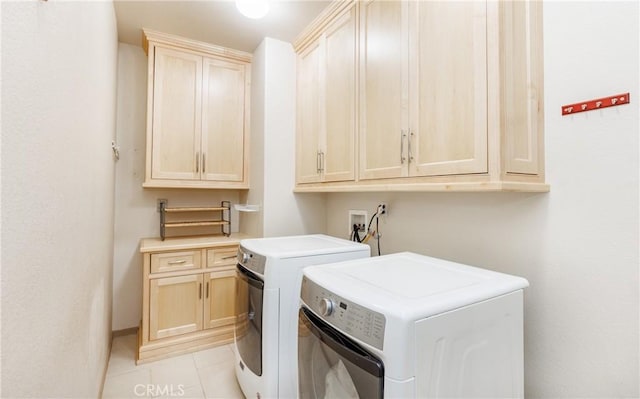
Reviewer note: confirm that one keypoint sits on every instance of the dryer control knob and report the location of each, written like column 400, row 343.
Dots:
column 326, row 307
column 245, row 257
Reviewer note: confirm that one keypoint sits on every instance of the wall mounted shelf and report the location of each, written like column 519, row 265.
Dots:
column 170, row 217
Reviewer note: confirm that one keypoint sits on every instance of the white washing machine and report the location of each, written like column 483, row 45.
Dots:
column 267, row 303
column 410, row 326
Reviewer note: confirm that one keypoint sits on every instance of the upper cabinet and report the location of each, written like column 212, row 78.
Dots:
column 521, row 83
column 383, row 89
column 423, row 89
column 448, row 94
column 447, row 133
column 197, row 114
column 326, row 118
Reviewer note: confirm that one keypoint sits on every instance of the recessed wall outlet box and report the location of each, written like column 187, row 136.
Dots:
column 358, row 218
column 383, row 209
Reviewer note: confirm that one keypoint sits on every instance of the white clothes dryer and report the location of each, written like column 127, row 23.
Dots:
column 410, row 326
column 267, row 303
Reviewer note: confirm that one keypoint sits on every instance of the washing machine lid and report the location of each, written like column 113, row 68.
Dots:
column 411, row 286
column 299, row 246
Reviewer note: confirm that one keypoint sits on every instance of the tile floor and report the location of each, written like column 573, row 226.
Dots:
column 205, row 374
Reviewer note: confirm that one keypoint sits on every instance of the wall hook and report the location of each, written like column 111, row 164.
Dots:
column 116, row 150
column 598, row 103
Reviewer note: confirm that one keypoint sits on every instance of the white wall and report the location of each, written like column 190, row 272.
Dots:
column 578, row 244
column 58, row 120
column 136, row 213
column 253, row 223
column 273, row 102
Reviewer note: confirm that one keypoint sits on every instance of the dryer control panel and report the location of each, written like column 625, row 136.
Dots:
column 251, row 260
column 346, row 316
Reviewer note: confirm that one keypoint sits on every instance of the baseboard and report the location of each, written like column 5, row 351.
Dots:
column 106, row 366
column 126, row 331
column 119, row 333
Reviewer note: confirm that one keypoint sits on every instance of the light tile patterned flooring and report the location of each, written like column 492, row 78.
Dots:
column 205, row 374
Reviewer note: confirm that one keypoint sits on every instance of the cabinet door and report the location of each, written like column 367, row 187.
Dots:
column 449, row 88
column 308, row 157
column 177, row 102
column 522, row 86
column 175, row 306
column 220, row 296
column 223, row 116
column 383, row 88
column 339, row 104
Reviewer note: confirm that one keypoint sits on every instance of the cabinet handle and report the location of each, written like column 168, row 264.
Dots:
column 320, row 161
column 197, row 162
column 207, row 290
column 410, row 153
column 177, row 262
column 229, row 257
column 203, row 161
column 402, row 136
column 200, row 291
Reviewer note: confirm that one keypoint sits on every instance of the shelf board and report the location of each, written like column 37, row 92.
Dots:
column 197, row 223
column 196, row 209
column 498, row 186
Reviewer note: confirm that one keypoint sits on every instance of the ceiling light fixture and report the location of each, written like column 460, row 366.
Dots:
column 254, row 9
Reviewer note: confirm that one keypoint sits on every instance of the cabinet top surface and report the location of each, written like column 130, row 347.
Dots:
column 156, row 244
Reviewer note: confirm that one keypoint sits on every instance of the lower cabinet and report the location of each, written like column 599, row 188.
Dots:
column 189, row 302
column 175, row 306
column 219, row 301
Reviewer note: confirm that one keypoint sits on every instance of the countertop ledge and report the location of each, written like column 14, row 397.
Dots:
column 156, row 244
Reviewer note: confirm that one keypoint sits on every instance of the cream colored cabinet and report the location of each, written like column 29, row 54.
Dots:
column 447, row 132
column 175, row 306
column 449, row 97
column 223, row 117
column 308, row 151
column 197, row 122
column 383, row 90
column 326, row 119
column 220, row 287
column 520, row 99
column 188, row 295
column 176, row 113
column 424, row 89
column 220, row 295
column 179, row 305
